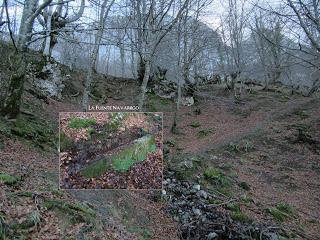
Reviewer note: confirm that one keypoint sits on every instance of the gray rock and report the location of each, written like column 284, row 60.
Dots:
column 181, row 203
column 196, row 211
column 202, row 194
column 185, row 165
column 196, row 187
column 52, row 82
column 212, row 235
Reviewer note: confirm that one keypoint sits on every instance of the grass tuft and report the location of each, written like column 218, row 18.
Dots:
column 195, row 124
column 81, row 122
column 281, row 212
column 216, row 176
column 8, row 179
column 205, row 132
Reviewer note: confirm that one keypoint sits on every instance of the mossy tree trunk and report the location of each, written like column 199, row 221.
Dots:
column 10, row 106
column 11, row 101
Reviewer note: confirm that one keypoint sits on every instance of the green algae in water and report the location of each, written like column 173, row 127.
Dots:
column 123, row 160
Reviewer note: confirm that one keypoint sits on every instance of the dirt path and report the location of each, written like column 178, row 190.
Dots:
column 227, row 126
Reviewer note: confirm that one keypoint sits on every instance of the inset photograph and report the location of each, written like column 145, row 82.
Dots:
column 111, row 150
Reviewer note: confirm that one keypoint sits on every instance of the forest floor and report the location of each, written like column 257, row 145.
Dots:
column 111, row 151
column 269, row 143
column 260, row 153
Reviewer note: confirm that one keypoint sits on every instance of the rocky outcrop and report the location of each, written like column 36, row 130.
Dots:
column 49, row 81
column 165, row 89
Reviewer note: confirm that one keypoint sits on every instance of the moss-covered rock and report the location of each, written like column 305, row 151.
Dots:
column 36, row 130
column 124, row 159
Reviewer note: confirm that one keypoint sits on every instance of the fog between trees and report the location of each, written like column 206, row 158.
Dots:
column 258, row 41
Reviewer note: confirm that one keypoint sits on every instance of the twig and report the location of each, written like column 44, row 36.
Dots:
column 9, row 25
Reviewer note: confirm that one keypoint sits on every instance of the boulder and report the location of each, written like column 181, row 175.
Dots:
column 50, row 80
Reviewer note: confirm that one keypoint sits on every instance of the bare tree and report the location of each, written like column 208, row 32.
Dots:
column 103, row 14
column 302, row 20
column 308, row 15
column 191, row 41
column 268, row 38
column 233, row 33
column 10, row 103
column 54, row 18
column 153, row 22
column 2, row 21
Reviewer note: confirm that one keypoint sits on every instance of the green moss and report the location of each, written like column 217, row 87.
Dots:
column 123, row 160
column 236, row 213
column 285, row 207
column 301, row 113
column 217, row 177
column 281, row 212
column 158, row 104
column 97, row 168
column 77, row 211
column 81, row 122
column 5, row 128
column 212, row 173
column 66, row 143
column 9, row 179
column 241, row 217
column 3, row 228
column 170, row 142
column 138, row 152
column 247, row 200
column 195, row 124
column 244, row 185
column 36, row 130
column 205, row 132
column 235, row 207
column 277, row 214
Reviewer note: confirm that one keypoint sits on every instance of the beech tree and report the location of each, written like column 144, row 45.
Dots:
column 103, row 14
column 268, row 38
column 153, row 21
column 10, row 102
column 307, row 14
column 54, row 18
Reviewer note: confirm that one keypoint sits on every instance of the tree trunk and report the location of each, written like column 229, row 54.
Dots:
column 141, row 70
column 10, row 106
column 144, row 84
column 122, row 59
column 11, row 102
column 86, row 91
column 47, row 45
column 95, row 52
column 176, row 114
